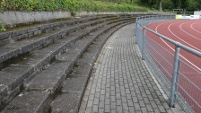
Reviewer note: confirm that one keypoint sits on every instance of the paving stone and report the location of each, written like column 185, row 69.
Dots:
column 119, row 102
column 107, row 101
column 107, row 108
column 135, row 99
column 131, row 109
column 101, row 104
column 149, row 108
column 125, row 106
column 96, row 101
column 154, row 105
column 95, row 109
column 144, row 110
column 101, row 111
column 89, row 104
column 157, row 111
column 130, row 103
column 88, row 110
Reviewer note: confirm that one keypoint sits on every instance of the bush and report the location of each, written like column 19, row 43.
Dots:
column 68, row 5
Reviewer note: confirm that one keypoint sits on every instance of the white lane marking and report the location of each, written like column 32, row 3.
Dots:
column 194, row 28
column 156, row 29
column 181, row 38
column 180, row 26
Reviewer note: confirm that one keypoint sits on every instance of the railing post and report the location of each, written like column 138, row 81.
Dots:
column 149, row 18
column 177, row 80
column 143, row 43
column 174, row 78
column 157, row 17
column 136, row 33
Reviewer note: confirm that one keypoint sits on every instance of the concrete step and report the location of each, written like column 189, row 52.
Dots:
column 22, row 46
column 16, row 33
column 12, row 82
column 46, row 83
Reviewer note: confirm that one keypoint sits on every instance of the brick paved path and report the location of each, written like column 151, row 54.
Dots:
column 120, row 82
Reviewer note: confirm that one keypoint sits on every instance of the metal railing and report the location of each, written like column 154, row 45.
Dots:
column 173, row 64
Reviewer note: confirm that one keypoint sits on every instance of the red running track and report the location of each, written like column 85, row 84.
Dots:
column 187, row 32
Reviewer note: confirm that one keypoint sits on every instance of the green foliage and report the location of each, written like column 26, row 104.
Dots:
column 109, row 6
column 69, row 5
column 2, row 27
column 96, row 5
column 168, row 5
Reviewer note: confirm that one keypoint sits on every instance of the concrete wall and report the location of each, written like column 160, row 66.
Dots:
column 15, row 17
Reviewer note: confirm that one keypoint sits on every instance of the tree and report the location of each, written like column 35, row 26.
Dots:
column 184, row 5
column 168, row 5
column 176, row 3
column 161, row 5
column 156, row 4
column 131, row 1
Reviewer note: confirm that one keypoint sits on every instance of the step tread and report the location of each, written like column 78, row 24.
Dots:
column 67, row 103
column 49, row 79
column 10, row 75
column 33, row 100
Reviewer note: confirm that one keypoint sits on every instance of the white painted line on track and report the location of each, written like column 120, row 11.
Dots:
column 156, row 29
column 180, row 26
column 194, row 28
column 181, row 38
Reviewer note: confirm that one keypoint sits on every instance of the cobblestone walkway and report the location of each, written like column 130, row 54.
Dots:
column 120, row 82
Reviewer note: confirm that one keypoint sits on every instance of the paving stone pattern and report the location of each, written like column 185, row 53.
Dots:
column 120, row 82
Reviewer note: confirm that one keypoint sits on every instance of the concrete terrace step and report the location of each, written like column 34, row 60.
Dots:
column 11, row 81
column 20, row 47
column 28, row 31
column 46, row 83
